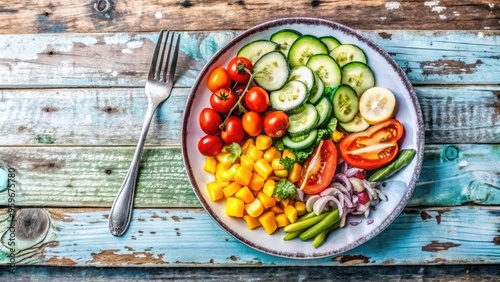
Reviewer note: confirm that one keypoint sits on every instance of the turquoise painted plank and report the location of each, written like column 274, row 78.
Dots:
column 466, row 114
column 177, row 237
column 68, row 60
column 91, row 176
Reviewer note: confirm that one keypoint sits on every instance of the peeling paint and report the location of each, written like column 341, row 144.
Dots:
column 436, row 246
column 441, row 67
column 352, row 259
column 393, row 5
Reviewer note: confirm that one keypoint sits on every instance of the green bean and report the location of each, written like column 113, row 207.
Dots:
column 295, row 234
column 331, row 218
column 404, row 158
column 301, row 225
column 320, row 238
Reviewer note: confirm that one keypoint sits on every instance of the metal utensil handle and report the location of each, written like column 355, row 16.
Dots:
column 121, row 211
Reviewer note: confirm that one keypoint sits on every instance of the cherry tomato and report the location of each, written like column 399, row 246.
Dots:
column 236, row 69
column 275, row 124
column 233, row 131
column 210, row 121
column 319, row 168
column 252, row 123
column 257, row 99
column 218, row 79
column 210, row 145
column 373, row 148
column 223, row 100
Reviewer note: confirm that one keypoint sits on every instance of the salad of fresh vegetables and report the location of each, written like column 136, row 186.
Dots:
column 298, row 134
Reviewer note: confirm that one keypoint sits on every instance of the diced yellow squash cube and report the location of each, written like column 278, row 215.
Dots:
column 277, row 209
column 223, row 157
column 269, row 187
column 252, row 222
column 271, row 154
column 234, row 207
column 254, row 153
column 291, row 213
column 263, row 168
column 268, row 221
column 295, row 172
column 288, row 153
column 214, row 191
column 263, row 142
column 282, row 220
column 337, row 136
column 255, row 208
column 245, row 195
column 243, row 175
column 281, row 173
column 210, row 165
column 256, row 182
column 247, row 162
column 249, row 142
column 267, row 201
column 300, row 207
column 276, row 164
column 231, row 189
column 229, row 174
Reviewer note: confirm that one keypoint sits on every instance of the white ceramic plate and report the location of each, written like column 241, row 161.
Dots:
column 398, row 189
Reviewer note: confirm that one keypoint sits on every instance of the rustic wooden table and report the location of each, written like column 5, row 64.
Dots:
column 72, row 105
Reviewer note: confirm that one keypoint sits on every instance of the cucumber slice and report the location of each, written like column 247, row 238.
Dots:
column 377, row 104
column 303, row 120
column 324, row 108
column 330, row 42
column 356, row 125
column 347, row 53
column 304, row 74
column 303, row 48
column 291, row 96
column 285, row 38
column 317, row 91
column 271, row 71
column 359, row 76
column 298, row 143
column 345, row 103
column 326, row 68
column 256, row 49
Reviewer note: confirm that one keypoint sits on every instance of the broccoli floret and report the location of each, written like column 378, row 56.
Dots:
column 287, row 162
column 285, row 189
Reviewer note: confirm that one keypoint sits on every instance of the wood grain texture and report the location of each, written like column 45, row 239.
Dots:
column 122, row 59
column 102, row 117
column 188, row 237
column 140, row 15
column 401, row 273
column 91, row 176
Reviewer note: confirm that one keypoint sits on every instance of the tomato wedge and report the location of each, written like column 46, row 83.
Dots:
column 319, row 168
column 373, row 148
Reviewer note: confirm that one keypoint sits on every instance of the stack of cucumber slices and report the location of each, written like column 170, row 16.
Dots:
column 317, row 79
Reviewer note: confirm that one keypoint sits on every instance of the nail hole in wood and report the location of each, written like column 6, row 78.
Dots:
column 52, row 165
column 47, row 14
column 108, row 171
column 315, row 3
column 51, row 53
column 102, row 5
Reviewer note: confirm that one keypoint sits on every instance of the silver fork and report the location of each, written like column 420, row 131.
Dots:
column 158, row 88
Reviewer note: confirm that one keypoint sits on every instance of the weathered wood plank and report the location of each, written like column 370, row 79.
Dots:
column 114, row 116
column 55, row 60
column 116, row 16
column 401, row 273
column 188, row 237
column 91, row 176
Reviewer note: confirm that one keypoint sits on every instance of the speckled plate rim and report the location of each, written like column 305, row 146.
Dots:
column 404, row 79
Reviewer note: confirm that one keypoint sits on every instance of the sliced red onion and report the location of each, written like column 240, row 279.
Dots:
column 342, row 221
column 299, row 196
column 345, row 167
column 355, row 200
column 340, row 187
column 344, row 181
column 369, row 188
column 362, row 208
column 357, row 184
column 354, row 223
column 348, row 202
column 367, row 212
column 382, row 196
column 330, row 191
column 310, row 202
column 369, row 222
column 320, row 204
column 351, row 171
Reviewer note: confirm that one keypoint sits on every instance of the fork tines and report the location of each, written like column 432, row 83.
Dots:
column 162, row 69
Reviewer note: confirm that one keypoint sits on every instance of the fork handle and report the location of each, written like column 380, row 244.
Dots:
column 121, row 210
